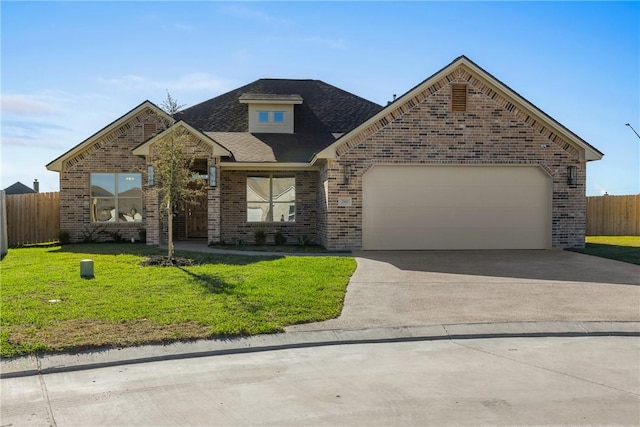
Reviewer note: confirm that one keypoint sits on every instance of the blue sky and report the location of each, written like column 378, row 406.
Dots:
column 70, row 68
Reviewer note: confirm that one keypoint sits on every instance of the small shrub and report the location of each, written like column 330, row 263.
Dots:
column 90, row 234
column 116, row 236
column 279, row 238
column 260, row 237
column 305, row 240
column 64, row 237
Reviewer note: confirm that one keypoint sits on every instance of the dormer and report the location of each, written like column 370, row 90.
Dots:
column 270, row 113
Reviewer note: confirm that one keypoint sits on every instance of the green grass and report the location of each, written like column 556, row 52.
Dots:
column 47, row 307
column 620, row 248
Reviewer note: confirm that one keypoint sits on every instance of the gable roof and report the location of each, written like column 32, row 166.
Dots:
column 18, row 188
column 217, row 149
column 491, row 86
column 58, row 163
column 325, row 109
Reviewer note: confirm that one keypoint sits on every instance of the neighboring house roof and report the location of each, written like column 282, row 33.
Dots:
column 58, row 164
column 491, row 86
column 325, row 109
column 18, row 188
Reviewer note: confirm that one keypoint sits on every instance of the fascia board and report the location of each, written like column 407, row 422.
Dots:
column 269, row 101
column 587, row 152
column 330, row 151
column 266, row 166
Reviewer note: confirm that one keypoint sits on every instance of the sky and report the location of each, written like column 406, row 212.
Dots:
column 70, row 68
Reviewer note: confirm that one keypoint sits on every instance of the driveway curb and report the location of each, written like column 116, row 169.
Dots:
column 57, row 363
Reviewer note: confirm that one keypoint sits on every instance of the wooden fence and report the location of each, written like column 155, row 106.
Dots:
column 32, row 218
column 613, row 216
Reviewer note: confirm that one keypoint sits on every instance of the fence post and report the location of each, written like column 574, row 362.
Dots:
column 4, row 242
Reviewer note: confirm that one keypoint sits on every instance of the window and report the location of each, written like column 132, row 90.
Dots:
column 116, row 197
column 263, row 116
column 271, row 198
column 271, row 116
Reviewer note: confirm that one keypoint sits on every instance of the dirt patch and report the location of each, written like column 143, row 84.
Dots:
column 77, row 335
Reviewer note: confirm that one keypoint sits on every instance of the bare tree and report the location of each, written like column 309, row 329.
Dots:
column 172, row 164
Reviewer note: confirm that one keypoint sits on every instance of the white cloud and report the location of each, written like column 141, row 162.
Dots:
column 331, row 43
column 182, row 27
column 251, row 14
column 27, row 105
column 26, row 141
column 128, row 82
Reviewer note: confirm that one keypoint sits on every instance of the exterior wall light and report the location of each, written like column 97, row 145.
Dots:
column 150, row 178
column 572, row 175
column 213, row 181
column 347, row 174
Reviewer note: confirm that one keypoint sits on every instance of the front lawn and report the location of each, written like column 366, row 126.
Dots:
column 621, row 248
column 47, row 307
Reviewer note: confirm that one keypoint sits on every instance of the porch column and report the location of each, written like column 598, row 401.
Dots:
column 213, row 205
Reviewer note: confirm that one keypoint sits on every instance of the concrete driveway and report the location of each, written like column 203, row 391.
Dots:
column 411, row 288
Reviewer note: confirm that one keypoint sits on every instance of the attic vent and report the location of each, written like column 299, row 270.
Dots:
column 150, row 129
column 459, row 97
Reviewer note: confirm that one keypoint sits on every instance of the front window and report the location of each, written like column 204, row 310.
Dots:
column 116, row 197
column 271, row 198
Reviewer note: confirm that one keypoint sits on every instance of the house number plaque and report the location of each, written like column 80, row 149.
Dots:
column 344, row 201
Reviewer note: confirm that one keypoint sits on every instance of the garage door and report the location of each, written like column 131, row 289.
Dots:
column 456, row 207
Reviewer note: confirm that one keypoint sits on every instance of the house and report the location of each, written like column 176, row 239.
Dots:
column 20, row 188
column 461, row 161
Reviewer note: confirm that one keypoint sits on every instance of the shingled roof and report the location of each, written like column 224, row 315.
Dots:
column 325, row 108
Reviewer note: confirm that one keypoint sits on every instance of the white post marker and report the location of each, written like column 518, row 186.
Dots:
column 86, row 268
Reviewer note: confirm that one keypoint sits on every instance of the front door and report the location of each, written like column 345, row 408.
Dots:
column 197, row 218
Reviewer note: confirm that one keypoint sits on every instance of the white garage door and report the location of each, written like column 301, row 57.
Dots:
column 456, row 207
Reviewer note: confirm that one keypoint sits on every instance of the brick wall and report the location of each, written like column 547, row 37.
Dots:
column 425, row 131
column 110, row 154
column 233, row 197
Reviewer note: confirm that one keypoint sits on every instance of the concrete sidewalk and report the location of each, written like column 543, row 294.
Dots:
column 34, row 365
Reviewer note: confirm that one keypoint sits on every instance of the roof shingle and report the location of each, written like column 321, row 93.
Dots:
column 326, row 108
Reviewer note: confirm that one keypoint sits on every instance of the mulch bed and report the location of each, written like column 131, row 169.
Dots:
column 165, row 261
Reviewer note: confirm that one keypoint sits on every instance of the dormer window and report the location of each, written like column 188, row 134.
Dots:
column 271, row 116
column 270, row 113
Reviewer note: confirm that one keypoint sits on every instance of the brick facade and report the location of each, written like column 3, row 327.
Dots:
column 233, row 203
column 495, row 127
column 111, row 153
column 425, row 131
